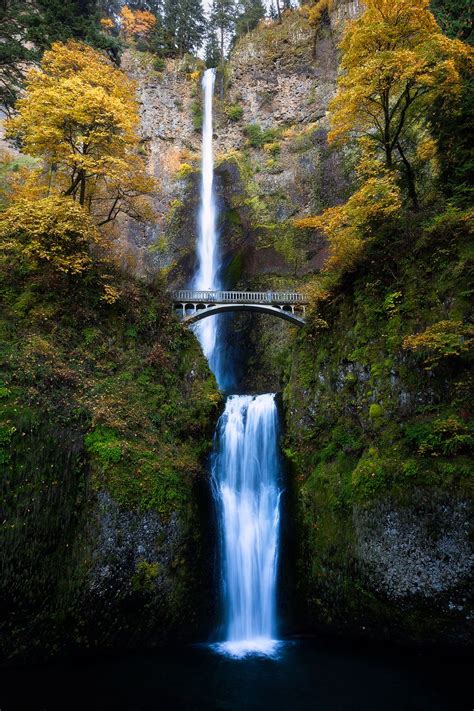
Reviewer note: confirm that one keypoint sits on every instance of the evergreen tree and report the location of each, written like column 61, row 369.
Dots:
column 212, row 49
column 223, row 16
column 14, row 49
column 28, row 27
column 454, row 17
column 154, row 6
column 184, row 21
column 250, row 12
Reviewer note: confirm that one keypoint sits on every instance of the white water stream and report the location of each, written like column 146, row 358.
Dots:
column 246, row 464
column 246, row 482
column 207, row 276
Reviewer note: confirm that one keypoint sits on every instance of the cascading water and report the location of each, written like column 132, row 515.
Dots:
column 246, row 482
column 207, row 275
column 246, row 468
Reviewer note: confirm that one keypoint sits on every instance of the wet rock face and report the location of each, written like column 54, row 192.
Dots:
column 126, row 538
column 421, row 550
column 140, row 561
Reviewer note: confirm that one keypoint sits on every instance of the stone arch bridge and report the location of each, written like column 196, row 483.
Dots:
column 193, row 306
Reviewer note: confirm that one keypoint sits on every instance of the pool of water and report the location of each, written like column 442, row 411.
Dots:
column 306, row 676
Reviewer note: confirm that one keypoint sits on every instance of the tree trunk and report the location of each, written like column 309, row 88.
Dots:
column 410, row 178
column 82, row 196
column 222, row 46
column 278, row 11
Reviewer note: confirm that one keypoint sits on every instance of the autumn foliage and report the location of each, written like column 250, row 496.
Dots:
column 79, row 117
column 348, row 227
column 444, row 339
column 395, row 63
column 138, row 23
column 53, row 231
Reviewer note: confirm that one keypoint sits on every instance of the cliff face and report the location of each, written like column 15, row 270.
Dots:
column 379, row 442
column 273, row 160
column 106, row 415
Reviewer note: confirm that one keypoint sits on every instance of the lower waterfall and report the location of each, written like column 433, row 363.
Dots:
column 246, row 478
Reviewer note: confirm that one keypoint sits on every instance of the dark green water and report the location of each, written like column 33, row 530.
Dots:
column 319, row 676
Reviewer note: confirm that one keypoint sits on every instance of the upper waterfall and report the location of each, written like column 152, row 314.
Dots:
column 207, row 275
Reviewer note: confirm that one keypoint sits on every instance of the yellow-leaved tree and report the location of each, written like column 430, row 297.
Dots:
column 79, row 116
column 395, row 63
column 136, row 23
column 52, row 231
column 350, row 226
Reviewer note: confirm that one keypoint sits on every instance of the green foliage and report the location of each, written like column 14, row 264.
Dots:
column 440, row 437
column 28, row 28
column 375, row 411
column 104, row 444
column 455, row 18
column 273, row 148
column 444, row 339
column 250, row 12
column 257, row 136
column 185, row 23
column 159, row 64
column 369, row 420
column 111, row 371
column 371, row 476
column 234, row 112
column 184, row 170
column 197, row 114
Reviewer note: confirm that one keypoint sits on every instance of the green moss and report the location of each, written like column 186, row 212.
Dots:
column 234, row 269
column 99, row 403
column 257, row 136
column 375, row 411
column 104, row 443
column 144, row 579
column 367, row 421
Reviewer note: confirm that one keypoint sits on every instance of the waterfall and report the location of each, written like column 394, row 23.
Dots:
column 246, row 464
column 206, row 277
column 246, row 475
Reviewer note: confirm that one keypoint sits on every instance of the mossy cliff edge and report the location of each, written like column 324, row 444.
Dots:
column 106, row 413
column 378, row 440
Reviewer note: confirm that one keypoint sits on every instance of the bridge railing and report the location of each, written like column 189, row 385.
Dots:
column 240, row 297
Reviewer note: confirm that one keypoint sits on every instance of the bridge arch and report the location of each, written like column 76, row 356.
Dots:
column 275, row 311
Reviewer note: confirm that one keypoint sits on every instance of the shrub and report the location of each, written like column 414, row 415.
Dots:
column 257, row 136
column 159, row 64
column 184, row 170
column 196, row 110
column 441, row 340
column 54, row 231
column 273, row 148
column 234, row 112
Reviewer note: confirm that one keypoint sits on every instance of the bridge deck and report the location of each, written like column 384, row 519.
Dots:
column 190, row 296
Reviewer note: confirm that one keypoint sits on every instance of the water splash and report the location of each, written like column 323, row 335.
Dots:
column 246, row 476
